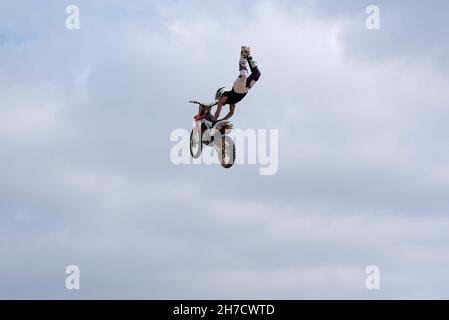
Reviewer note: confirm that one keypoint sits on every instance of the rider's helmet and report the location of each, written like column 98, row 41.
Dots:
column 220, row 93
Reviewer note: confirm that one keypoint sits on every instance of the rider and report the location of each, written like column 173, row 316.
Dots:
column 241, row 85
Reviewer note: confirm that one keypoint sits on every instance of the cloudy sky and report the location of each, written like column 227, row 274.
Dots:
column 85, row 171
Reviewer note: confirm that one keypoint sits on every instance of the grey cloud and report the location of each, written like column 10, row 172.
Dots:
column 85, row 119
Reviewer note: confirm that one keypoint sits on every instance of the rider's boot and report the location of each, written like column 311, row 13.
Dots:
column 246, row 52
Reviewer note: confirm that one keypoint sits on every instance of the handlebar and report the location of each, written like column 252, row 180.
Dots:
column 207, row 106
column 203, row 104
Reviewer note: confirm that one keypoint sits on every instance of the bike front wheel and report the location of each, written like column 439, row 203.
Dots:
column 196, row 143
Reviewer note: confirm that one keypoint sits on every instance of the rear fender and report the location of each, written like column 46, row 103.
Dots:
column 225, row 126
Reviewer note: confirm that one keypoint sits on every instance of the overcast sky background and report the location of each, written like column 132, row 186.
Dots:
column 86, row 178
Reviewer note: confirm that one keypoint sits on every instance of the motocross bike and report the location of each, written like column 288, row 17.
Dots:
column 212, row 133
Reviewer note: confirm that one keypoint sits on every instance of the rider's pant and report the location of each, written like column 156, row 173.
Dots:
column 245, row 82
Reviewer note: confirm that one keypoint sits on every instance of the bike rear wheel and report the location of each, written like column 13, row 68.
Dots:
column 227, row 152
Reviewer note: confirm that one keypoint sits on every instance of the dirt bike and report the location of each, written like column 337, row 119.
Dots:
column 212, row 133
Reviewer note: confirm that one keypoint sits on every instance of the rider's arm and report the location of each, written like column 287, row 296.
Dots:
column 231, row 112
column 220, row 105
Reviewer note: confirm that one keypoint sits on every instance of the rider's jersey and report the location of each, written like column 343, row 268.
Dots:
column 234, row 97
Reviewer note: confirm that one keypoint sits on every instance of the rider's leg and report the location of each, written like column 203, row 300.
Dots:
column 240, row 82
column 255, row 73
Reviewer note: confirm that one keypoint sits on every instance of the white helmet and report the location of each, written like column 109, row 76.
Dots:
column 220, row 93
